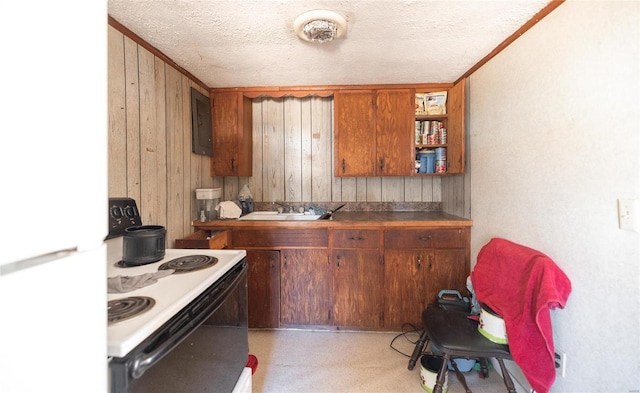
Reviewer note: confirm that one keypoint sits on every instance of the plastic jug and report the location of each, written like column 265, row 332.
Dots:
column 208, row 199
column 427, row 161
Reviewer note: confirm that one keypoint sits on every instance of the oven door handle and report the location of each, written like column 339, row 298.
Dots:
column 145, row 360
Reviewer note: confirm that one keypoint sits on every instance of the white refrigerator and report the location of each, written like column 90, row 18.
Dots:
column 53, row 160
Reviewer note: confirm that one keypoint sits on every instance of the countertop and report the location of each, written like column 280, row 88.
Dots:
column 360, row 219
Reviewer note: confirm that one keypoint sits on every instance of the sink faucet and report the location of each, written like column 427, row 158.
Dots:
column 283, row 206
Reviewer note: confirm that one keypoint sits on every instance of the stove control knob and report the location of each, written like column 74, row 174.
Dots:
column 116, row 212
column 129, row 212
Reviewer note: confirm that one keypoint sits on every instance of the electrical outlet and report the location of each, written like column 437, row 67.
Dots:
column 560, row 360
column 628, row 214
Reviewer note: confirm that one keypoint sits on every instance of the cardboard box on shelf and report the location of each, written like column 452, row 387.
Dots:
column 421, row 104
column 436, row 103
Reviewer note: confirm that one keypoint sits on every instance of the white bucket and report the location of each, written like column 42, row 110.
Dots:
column 492, row 326
column 429, row 367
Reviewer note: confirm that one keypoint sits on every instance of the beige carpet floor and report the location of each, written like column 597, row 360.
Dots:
column 345, row 362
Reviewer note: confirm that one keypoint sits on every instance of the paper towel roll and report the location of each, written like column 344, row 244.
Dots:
column 228, row 209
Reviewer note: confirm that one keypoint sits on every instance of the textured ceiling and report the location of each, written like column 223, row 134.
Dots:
column 236, row 43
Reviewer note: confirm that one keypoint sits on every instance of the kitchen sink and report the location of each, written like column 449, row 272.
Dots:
column 275, row 216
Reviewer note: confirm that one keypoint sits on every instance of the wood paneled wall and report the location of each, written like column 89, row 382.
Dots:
column 150, row 156
column 293, row 160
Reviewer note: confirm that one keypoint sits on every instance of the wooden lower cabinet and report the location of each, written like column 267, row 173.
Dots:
column 263, row 288
column 357, row 280
column 419, row 263
column 413, row 279
column 305, row 287
column 352, row 278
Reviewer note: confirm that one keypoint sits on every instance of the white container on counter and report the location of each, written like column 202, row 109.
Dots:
column 208, row 199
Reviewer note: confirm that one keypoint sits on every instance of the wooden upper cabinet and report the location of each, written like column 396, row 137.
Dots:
column 394, row 131
column 373, row 132
column 232, row 144
column 374, row 128
column 456, row 137
column 450, row 134
column 354, row 134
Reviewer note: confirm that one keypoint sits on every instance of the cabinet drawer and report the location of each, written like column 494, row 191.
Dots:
column 212, row 240
column 270, row 238
column 425, row 238
column 355, row 238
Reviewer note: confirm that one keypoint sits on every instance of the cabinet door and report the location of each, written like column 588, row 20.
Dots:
column 413, row 279
column 355, row 142
column 357, row 283
column 456, row 128
column 394, row 132
column 306, row 287
column 263, row 280
column 405, row 287
column 232, row 144
column 447, row 269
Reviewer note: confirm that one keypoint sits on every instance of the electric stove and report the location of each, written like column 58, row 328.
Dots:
column 170, row 294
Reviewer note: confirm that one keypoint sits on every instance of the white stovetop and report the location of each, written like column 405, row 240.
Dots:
column 171, row 293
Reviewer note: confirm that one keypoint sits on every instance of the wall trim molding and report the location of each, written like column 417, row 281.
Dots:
column 133, row 36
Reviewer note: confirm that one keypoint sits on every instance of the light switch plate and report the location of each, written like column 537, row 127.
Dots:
column 628, row 210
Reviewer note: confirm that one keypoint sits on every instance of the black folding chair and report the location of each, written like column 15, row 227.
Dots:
column 452, row 334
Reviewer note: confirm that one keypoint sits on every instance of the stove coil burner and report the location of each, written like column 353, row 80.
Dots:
column 122, row 309
column 189, row 263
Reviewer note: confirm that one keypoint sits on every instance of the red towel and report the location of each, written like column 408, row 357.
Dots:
column 522, row 285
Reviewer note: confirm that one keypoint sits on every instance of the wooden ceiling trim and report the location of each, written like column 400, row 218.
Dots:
column 118, row 26
column 530, row 23
column 286, row 93
column 322, row 91
column 326, row 91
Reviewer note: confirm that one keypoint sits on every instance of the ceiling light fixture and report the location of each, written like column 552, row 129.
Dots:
column 320, row 26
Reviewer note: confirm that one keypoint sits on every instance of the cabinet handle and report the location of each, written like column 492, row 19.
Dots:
column 419, row 261
column 338, row 263
column 344, row 166
column 233, row 164
column 284, row 262
column 425, row 238
column 382, row 165
column 356, row 238
column 430, row 262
